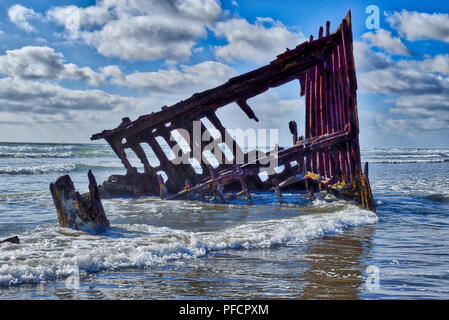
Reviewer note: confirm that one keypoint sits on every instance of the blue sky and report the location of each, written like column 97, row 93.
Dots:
column 74, row 68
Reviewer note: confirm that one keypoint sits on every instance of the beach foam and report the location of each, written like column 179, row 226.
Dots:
column 37, row 169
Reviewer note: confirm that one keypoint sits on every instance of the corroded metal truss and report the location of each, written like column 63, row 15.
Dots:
column 327, row 158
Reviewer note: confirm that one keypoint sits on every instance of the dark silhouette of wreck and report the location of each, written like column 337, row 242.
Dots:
column 327, row 158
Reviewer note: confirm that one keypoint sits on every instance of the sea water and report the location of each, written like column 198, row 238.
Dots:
column 155, row 249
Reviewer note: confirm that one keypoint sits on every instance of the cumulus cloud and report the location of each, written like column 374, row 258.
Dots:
column 419, row 25
column 19, row 95
column 197, row 77
column 259, row 42
column 32, row 62
column 383, row 39
column 438, row 64
column 417, row 90
column 139, row 30
column 21, row 16
column 412, row 77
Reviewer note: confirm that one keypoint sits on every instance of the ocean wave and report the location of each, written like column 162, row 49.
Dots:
column 35, row 148
column 49, row 252
column 405, row 150
column 23, row 195
column 395, row 156
column 38, row 169
column 438, row 197
column 98, row 167
column 36, row 155
column 55, row 151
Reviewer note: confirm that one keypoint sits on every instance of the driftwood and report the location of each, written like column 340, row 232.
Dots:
column 81, row 212
column 14, row 239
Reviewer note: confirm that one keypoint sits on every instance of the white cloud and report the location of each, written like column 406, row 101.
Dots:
column 32, row 62
column 419, row 25
column 19, row 95
column 21, row 15
column 438, row 64
column 259, row 42
column 197, row 77
column 139, row 30
column 382, row 38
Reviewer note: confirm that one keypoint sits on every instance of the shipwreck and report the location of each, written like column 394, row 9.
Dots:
column 326, row 158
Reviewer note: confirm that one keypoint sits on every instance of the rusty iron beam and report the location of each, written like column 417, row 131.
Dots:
column 327, row 157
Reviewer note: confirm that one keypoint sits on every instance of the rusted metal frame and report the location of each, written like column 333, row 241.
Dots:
column 247, row 109
column 346, row 102
column 312, row 115
column 342, row 154
column 308, row 104
column 317, row 117
column 316, row 124
column 204, row 130
column 312, row 146
column 246, row 86
column 293, row 127
column 204, row 186
column 326, row 72
column 369, row 196
column 309, row 146
column 352, row 103
column 291, row 180
column 323, row 114
column 332, row 93
column 335, row 155
column 335, row 75
column 302, row 84
column 319, row 110
column 223, row 161
column 277, row 191
column 328, row 115
column 140, row 153
column 245, row 190
column 353, row 151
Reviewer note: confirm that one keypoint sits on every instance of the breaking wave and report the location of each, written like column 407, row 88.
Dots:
column 36, row 155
